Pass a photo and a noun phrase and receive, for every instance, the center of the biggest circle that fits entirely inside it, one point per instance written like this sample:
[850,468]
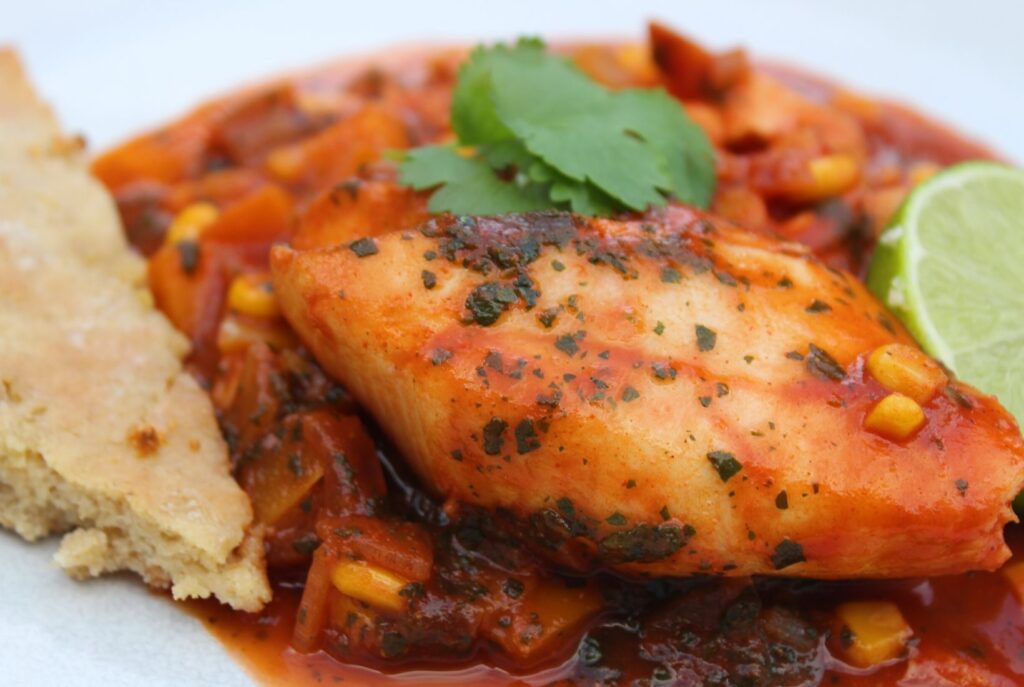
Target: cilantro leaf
[570,122]
[661,121]
[543,134]
[467,184]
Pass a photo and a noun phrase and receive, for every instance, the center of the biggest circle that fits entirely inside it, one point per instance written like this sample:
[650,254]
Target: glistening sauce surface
[969,630]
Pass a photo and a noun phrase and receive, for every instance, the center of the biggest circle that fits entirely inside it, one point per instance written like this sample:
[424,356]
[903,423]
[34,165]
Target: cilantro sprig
[535,132]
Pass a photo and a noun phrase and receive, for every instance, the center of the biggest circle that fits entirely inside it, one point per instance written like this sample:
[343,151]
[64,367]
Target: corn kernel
[1014,574]
[190,222]
[833,175]
[370,583]
[878,631]
[896,417]
[906,370]
[253,294]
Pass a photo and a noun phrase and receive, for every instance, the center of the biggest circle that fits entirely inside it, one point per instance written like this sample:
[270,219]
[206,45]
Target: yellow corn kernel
[896,417]
[878,632]
[833,175]
[904,369]
[253,294]
[370,583]
[190,222]
[1014,574]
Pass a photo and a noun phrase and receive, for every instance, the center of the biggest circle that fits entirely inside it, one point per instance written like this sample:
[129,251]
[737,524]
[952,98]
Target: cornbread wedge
[103,435]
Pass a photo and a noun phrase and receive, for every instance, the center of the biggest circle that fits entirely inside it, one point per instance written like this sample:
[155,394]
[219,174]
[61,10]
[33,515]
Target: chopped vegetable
[370,583]
[190,222]
[877,632]
[253,294]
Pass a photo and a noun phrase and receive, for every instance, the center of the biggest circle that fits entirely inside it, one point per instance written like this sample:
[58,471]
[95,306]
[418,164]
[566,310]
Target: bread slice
[103,435]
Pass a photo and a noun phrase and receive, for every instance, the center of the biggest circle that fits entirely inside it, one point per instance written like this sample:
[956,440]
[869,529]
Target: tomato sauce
[969,630]
[206,197]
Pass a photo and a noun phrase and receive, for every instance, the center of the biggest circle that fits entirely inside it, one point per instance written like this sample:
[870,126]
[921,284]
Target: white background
[113,67]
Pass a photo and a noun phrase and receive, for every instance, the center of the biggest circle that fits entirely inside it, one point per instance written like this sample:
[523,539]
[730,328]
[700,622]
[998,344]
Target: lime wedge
[951,266]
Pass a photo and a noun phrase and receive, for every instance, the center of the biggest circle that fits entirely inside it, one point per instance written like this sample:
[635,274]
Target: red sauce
[969,630]
[267,158]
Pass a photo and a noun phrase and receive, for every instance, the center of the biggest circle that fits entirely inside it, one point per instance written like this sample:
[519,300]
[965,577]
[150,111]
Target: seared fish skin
[666,396]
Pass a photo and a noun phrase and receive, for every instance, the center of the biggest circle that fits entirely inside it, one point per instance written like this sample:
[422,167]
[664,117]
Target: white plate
[112,67]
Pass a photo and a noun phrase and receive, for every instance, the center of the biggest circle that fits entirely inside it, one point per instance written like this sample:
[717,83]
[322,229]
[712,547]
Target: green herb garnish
[725,464]
[533,132]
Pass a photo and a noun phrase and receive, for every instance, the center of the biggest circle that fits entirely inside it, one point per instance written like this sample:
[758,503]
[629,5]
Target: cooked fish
[103,435]
[669,395]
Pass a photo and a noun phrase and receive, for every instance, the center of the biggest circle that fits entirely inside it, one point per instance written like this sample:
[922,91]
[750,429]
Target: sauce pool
[968,630]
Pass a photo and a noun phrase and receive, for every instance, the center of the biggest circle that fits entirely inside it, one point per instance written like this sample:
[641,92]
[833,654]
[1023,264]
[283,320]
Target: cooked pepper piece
[877,632]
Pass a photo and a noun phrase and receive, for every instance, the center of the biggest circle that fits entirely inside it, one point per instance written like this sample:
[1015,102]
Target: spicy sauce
[292,155]
[968,630]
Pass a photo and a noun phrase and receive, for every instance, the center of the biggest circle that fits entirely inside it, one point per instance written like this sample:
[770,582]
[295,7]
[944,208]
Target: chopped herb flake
[663,371]
[567,344]
[818,306]
[617,519]
[429,279]
[725,463]
[188,255]
[643,543]
[364,247]
[494,438]
[487,301]
[670,275]
[440,355]
[824,366]
[547,317]
[706,338]
[526,437]
[787,553]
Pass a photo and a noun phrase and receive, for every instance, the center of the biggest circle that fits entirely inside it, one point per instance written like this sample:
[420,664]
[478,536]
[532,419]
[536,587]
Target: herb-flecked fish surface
[669,395]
